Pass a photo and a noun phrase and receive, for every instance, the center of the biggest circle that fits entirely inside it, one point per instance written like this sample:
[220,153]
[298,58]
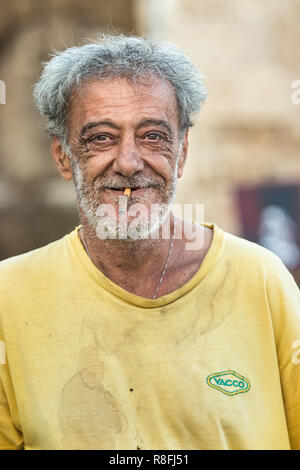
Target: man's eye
[101,138]
[100,141]
[154,136]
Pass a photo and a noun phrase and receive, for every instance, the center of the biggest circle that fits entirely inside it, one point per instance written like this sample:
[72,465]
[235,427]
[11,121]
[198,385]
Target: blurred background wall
[244,147]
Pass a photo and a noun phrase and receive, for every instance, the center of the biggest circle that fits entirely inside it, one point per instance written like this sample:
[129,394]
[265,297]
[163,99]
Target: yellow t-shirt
[212,365]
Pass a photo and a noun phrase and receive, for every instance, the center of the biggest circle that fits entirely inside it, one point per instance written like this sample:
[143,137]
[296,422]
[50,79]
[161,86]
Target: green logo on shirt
[228,382]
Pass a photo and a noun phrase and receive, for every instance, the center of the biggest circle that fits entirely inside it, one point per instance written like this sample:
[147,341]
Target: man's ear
[183,154]
[61,160]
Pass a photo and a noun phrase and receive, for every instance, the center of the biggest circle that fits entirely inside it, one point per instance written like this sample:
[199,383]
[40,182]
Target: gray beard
[88,205]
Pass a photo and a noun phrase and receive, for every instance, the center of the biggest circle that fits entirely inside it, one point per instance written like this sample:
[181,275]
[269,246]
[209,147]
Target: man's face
[125,136]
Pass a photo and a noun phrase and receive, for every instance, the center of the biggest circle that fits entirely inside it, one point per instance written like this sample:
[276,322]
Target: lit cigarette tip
[127,192]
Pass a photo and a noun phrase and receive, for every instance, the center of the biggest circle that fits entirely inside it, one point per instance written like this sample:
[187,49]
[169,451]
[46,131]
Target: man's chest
[154,382]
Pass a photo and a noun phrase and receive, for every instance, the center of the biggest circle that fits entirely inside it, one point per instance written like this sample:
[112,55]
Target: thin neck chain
[165,266]
[85,247]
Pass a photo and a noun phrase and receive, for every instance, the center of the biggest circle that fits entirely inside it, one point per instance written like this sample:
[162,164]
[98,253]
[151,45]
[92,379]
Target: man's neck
[137,265]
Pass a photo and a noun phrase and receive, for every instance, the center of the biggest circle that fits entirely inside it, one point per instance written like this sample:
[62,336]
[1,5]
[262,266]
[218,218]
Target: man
[116,336]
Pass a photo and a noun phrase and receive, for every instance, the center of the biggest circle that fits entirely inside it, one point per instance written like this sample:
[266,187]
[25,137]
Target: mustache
[116,182]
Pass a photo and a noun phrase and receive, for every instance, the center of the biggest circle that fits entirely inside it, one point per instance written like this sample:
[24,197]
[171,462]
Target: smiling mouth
[133,189]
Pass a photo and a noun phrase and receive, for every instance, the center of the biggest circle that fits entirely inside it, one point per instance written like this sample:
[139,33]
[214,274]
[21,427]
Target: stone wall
[36,205]
[246,135]
[248,131]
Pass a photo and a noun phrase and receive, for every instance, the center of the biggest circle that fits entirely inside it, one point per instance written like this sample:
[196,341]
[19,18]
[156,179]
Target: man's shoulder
[252,256]
[27,264]
[247,247]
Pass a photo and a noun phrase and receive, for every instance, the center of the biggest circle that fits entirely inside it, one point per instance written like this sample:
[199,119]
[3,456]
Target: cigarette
[127,192]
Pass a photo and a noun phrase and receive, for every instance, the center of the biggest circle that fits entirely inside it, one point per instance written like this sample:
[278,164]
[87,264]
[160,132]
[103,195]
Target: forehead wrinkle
[134,119]
[124,91]
[96,107]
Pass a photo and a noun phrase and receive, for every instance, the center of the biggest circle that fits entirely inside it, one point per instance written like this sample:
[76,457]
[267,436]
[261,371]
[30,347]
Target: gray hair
[116,57]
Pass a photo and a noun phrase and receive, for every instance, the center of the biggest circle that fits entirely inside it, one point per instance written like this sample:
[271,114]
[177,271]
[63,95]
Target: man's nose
[128,160]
